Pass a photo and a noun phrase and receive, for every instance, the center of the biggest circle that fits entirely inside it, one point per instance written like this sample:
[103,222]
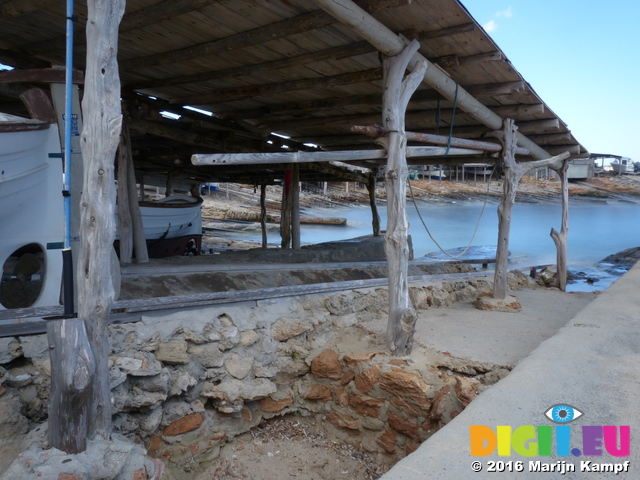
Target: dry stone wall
[185,383]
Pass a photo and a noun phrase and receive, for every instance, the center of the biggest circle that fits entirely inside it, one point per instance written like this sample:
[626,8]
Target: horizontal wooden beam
[284,28]
[319,156]
[11,10]
[39,75]
[230,94]
[421,117]
[376,131]
[552,138]
[455,61]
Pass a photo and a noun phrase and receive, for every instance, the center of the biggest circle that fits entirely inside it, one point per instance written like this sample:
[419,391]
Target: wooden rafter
[284,28]
[230,94]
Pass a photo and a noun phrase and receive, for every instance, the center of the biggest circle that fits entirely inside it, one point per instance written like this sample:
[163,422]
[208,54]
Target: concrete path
[592,364]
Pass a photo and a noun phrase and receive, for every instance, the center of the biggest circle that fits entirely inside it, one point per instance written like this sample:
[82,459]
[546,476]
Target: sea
[596,230]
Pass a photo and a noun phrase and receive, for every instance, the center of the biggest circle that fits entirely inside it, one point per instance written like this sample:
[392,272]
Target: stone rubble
[185,383]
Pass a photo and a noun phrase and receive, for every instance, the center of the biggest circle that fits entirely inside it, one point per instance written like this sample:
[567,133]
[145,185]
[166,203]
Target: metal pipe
[67,257]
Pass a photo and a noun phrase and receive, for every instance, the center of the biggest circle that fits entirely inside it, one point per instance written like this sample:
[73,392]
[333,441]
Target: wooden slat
[230,94]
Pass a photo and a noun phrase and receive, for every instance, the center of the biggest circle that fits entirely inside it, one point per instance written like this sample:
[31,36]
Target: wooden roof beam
[426,117]
[284,28]
[231,94]
[454,61]
[317,105]
[335,53]
[39,75]
[391,44]
[158,12]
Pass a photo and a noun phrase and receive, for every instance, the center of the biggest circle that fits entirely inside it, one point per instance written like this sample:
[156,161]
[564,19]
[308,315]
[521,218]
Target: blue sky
[582,57]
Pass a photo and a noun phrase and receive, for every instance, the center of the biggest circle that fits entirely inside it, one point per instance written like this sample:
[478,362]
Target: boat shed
[229,76]
[261,91]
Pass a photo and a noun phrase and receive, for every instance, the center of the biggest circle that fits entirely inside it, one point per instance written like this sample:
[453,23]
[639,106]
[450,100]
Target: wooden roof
[273,66]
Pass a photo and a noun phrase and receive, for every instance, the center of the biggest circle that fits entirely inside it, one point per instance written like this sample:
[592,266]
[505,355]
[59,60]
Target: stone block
[466,389]
[238,367]
[269,405]
[367,379]
[387,440]
[342,421]
[365,405]
[183,425]
[173,352]
[285,328]
[407,427]
[327,365]
[318,392]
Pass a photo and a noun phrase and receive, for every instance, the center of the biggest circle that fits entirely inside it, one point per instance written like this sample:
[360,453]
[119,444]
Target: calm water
[595,230]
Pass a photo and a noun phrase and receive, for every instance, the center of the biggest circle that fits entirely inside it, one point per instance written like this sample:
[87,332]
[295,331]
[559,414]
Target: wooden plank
[39,105]
[230,94]
[39,75]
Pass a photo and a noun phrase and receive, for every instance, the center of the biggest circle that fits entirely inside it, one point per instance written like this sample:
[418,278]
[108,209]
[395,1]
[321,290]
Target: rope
[475,231]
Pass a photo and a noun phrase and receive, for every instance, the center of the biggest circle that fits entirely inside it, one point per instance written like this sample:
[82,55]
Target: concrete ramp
[592,364]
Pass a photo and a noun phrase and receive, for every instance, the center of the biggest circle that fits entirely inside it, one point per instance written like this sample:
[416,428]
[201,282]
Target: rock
[232,389]
[12,423]
[156,384]
[342,421]
[183,425]
[173,352]
[34,346]
[194,337]
[137,364]
[9,349]
[318,392]
[285,328]
[229,338]
[387,440]
[176,409]
[248,338]
[341,397]
[466,389]
[407,427]
[445,406]
[352,360]
[414,408]
[150,421]
[269,405]
[327,365]
[371,423]
[365,405]
[408,389]
[367,379]
[347,377]
[208,355]
[181,381]
[238,367]
[509,304]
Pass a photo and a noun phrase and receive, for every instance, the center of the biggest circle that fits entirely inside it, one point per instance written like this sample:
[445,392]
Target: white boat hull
[31,218]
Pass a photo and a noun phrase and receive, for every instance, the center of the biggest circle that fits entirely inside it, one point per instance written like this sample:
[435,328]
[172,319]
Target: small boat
[623,165]
[172,225]
[31,213]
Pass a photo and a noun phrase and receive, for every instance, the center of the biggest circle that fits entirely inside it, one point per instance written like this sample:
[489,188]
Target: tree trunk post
[285,212]
[263,214]
[375,216]
[397,92]
[125,228]
[295,207]
[72,372]
[510,186]
[139,241]
[560,238]
[99,140]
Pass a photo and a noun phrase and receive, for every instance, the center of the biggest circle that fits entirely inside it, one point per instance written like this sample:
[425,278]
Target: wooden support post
[295,207]
[139,241]
[510,186]
[99,140]
[72,371]
[513,172]
[396,96]
[560,238]
[285,212]
[375,216]
[125,228]
[168,185]
[263,214]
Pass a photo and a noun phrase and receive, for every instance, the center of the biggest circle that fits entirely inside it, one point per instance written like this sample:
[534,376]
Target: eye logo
[563,413]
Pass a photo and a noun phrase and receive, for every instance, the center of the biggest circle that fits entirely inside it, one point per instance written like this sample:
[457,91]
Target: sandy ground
[298,448]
